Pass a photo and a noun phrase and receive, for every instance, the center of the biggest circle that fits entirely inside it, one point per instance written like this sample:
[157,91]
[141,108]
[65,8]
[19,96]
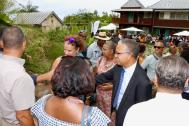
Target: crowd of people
[108,83]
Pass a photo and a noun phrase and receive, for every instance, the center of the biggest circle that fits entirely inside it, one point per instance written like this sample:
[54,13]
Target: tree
[95,13]
[5,7]
[83,18]
[28,8]
[106,18]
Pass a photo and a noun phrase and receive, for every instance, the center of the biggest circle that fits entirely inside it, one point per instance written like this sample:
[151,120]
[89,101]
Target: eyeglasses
[117,53]
[159,47]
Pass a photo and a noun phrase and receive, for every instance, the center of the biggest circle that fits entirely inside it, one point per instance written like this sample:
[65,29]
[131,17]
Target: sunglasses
[159,47]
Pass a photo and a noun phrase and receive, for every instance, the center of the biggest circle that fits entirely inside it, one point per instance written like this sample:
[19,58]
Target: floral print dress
[104,91]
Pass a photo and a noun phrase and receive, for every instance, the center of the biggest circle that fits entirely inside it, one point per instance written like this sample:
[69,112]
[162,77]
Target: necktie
[118,90]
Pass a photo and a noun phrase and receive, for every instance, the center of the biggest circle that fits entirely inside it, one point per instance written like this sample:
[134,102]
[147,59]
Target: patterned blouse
[98,118]
[103,65]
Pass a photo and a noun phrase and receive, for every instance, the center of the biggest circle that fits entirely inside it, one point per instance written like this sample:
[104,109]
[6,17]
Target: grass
[41,50]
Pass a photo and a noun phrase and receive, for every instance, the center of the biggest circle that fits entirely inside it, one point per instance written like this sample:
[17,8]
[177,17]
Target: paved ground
[42,89]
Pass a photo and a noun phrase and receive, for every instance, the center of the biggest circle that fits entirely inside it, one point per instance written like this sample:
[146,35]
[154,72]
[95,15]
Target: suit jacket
[139,89]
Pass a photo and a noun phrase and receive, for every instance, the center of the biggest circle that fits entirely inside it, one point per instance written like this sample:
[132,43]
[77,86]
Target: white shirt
[94,53]
[126,78]
[149,64]
[164,110]
[17,91]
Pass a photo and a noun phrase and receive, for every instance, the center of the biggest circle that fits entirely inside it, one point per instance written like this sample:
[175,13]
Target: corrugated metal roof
[173,10]
[121,10]
[132,3]
[171,4]
[34,17]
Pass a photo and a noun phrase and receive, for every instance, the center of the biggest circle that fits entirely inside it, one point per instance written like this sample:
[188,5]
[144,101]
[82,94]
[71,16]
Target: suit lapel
[117,80]
[129,90]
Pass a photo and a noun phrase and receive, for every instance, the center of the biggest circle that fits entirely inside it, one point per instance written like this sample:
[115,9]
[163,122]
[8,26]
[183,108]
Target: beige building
[46,20]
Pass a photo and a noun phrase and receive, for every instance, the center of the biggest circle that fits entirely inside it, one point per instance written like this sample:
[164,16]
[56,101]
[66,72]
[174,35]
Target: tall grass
[42,48]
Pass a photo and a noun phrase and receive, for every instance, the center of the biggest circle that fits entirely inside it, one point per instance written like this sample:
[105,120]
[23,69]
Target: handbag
[86,114]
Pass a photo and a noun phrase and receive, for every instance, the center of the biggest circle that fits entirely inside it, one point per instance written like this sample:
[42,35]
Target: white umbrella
[182,33]
[132,29]
[110,26]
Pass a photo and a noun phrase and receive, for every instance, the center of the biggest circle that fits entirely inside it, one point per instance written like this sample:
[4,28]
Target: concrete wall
[51,23]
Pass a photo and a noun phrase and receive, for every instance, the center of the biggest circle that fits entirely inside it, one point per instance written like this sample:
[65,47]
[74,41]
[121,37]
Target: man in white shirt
[94,51]
[17,91]
[150,61]
[168,108]
[1,42]
[130,82]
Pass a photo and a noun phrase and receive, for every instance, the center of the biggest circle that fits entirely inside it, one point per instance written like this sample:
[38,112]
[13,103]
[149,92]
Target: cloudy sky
[66,7]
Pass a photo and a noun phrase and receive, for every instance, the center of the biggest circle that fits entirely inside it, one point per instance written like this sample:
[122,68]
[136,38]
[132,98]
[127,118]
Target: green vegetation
[83,19]
[28,8]
[5,11]
[42,49]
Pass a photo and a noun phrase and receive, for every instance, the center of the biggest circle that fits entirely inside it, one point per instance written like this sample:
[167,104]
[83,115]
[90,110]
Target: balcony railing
[172,23]
[149,22]
[145,21]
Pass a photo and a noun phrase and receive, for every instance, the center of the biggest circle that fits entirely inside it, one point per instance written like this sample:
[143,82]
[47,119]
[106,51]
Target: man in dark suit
[130,82]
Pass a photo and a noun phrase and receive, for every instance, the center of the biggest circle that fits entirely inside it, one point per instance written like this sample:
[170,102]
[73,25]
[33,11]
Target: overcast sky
[67,7]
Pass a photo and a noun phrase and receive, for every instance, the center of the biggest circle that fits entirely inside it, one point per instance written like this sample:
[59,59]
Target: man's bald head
[13,38]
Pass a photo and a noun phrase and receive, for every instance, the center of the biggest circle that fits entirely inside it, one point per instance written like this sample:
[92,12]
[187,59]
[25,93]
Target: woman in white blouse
[72,78]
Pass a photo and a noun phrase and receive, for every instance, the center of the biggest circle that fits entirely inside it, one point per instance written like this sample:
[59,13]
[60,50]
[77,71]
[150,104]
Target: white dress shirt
[164,110]
[126,79]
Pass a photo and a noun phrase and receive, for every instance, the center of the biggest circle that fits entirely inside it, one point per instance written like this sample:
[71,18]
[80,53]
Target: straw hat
[102,36]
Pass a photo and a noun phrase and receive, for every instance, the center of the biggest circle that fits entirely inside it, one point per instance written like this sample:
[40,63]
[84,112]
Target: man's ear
[155,81]
[186,82]
[1,44]
[24,45]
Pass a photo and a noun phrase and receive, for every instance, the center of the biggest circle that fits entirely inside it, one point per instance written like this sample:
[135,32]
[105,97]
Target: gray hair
[13,37]
[172,72]
[132,45]
[111,45]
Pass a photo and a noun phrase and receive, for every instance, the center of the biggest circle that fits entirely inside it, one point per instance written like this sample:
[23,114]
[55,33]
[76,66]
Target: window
[185,16]
[52,19]
[173,15]
[180,15]
[147,14]
[167,15]
[161,15]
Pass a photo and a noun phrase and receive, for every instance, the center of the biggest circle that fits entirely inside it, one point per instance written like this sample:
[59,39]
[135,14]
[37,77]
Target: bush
[57,35]
[42,48]
[54,50]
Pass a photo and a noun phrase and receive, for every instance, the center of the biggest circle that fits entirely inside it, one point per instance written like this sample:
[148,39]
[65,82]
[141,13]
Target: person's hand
[105,87]
[34,78]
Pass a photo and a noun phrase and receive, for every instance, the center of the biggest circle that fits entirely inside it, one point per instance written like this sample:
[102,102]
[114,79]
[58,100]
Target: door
[130,17]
